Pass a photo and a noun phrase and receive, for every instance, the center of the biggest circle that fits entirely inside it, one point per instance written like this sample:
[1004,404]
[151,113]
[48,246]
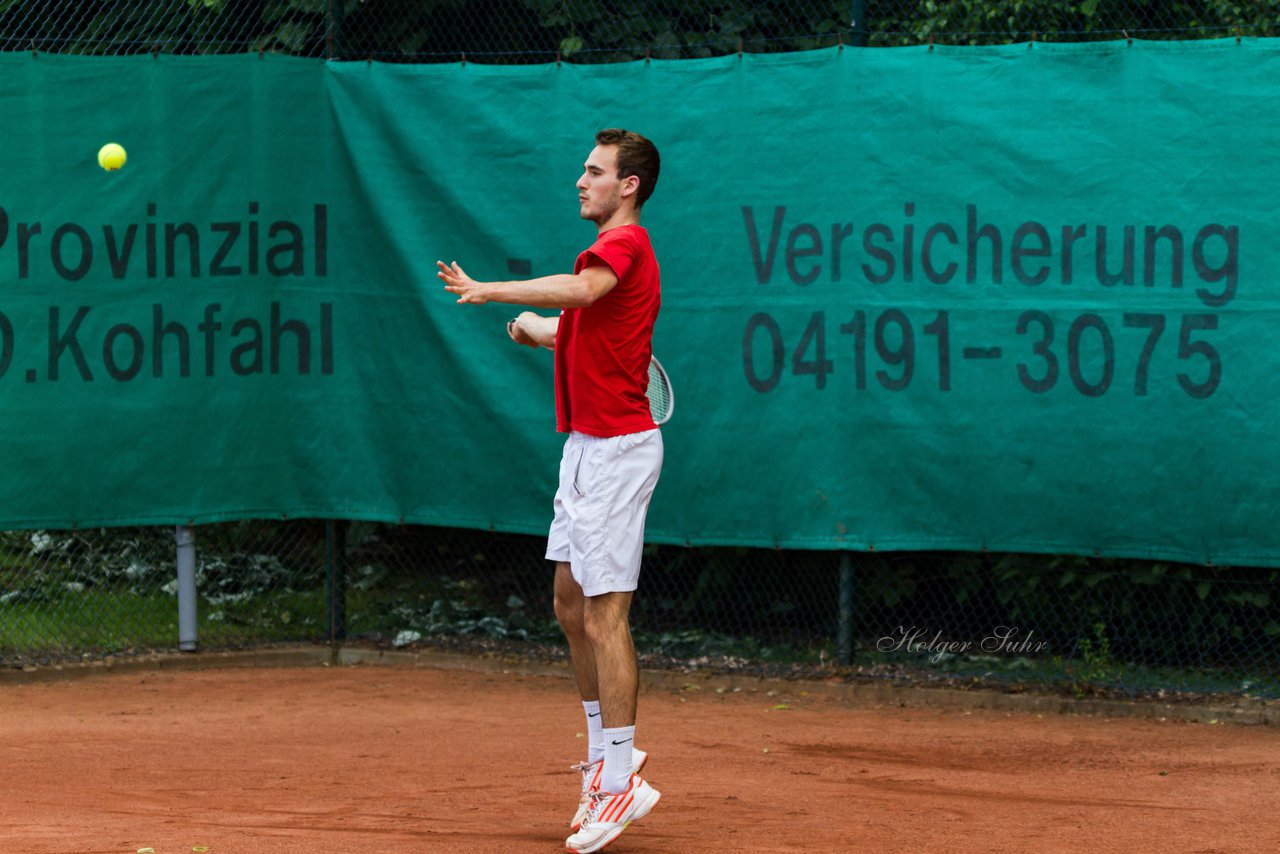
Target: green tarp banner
[1018,298]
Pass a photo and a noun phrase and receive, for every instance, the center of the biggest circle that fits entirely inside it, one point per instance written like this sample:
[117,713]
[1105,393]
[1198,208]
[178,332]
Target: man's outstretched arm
[566,290]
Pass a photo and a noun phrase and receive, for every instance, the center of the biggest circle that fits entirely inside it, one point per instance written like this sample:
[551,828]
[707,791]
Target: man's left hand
[456,281]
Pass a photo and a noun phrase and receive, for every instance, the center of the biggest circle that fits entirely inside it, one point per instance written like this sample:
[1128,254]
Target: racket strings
[659,393]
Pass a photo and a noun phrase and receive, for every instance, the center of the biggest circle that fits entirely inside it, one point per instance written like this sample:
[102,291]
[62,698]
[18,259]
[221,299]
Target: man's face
[599,190]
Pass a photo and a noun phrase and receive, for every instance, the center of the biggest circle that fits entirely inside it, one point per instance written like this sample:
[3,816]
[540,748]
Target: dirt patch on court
[379,759]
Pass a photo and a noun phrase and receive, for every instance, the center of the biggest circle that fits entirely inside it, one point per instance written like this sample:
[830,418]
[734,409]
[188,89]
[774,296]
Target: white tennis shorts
[604,492]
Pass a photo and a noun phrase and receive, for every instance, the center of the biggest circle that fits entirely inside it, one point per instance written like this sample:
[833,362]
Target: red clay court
[388,760]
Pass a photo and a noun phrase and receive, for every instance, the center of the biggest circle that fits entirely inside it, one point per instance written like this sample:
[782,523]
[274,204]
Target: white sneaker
[591,781]
[610,813]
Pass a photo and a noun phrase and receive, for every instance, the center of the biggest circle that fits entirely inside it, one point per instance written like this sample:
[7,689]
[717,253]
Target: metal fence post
[335,550]
[333,27]
[186,540]
[844,633]
[858,23]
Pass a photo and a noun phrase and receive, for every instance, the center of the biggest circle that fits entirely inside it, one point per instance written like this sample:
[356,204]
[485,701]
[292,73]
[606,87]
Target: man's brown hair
[636,156]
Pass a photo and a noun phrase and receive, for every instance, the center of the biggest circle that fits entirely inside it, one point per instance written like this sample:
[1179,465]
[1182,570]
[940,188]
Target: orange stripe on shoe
[617,808]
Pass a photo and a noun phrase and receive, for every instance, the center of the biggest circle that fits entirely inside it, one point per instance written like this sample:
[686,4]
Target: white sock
[595,730]
[618,744]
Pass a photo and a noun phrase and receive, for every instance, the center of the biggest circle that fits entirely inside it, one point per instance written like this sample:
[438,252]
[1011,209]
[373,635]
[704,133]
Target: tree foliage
[517,31]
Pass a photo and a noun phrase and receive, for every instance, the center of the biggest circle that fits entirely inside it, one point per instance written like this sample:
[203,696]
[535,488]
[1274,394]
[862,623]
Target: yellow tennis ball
[111,156]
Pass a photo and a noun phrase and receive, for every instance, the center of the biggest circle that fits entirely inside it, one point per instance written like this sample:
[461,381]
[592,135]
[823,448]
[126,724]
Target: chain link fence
[516,31]
[1084,625]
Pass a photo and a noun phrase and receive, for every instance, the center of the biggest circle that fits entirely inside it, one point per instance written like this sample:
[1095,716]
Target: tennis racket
[661,400]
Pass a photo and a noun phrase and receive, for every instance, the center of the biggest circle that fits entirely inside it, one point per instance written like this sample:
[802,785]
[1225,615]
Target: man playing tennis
[612,458]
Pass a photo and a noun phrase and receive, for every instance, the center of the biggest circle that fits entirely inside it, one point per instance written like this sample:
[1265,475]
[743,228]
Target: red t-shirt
[602,351]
